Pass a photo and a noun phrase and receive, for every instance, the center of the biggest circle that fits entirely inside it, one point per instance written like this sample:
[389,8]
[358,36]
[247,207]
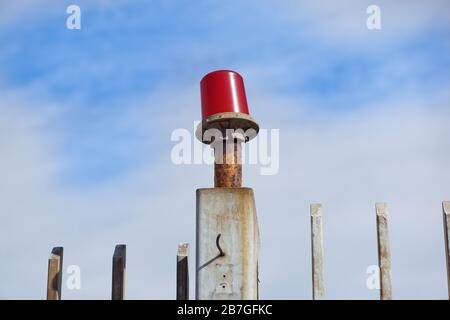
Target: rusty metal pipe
[228,164]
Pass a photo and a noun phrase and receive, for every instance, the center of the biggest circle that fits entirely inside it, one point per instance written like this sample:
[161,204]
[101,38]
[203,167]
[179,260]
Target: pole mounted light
[227,243]
[226,123]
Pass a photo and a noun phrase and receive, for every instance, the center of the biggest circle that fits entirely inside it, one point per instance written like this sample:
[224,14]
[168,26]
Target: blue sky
[125,51]
[86,117]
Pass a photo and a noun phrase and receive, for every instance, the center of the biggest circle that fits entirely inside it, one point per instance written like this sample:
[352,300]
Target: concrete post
[317,252]
[227,244]
[55,270]
[118,272]
[446,216]
[384,251]
[183,272]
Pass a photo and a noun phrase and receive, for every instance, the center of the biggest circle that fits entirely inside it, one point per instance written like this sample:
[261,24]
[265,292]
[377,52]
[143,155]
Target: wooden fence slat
[118,272]
[183,272]
[384,251]
[54,276]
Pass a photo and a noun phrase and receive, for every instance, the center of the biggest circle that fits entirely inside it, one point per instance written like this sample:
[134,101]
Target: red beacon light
[224,105]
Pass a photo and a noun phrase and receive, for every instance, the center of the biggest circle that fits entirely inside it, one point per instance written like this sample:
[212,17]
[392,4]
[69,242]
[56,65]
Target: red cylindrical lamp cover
[223,91]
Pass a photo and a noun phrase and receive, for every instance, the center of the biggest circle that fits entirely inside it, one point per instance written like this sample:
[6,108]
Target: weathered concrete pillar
[227,244]
[384,251]
[183,272]
[318,282]
[446,216]
[118,272]
[55,271]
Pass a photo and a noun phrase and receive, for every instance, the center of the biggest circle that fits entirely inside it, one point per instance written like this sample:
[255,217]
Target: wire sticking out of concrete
[221,253]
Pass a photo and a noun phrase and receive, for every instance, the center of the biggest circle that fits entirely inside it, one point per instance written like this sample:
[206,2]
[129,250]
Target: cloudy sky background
[86,118]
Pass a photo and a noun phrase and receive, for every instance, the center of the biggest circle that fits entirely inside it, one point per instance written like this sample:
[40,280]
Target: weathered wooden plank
[384,251]
[317,259]
[54,276]
[118,272]
[446,216]
[183,272]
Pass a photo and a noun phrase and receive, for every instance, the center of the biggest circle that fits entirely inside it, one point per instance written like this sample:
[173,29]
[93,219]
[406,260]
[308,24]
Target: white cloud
[344,22]
[28,12]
